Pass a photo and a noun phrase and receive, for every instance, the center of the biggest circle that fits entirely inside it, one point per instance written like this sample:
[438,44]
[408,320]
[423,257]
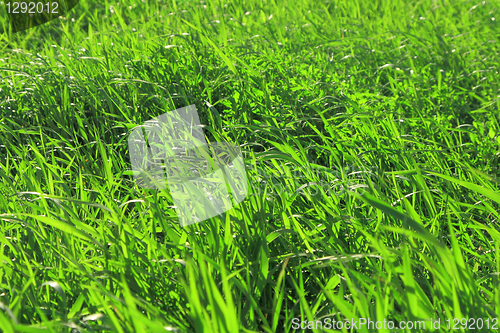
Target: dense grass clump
[371,137]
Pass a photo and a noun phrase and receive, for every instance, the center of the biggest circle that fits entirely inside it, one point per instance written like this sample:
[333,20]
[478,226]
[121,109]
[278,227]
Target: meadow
[371,137]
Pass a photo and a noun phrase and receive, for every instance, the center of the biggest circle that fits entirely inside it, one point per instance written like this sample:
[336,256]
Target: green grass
[371,135]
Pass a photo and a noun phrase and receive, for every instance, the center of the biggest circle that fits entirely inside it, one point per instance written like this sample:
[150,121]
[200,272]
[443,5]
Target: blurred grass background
[371,135]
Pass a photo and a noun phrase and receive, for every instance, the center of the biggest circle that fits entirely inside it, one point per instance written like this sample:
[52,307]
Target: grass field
[371,137]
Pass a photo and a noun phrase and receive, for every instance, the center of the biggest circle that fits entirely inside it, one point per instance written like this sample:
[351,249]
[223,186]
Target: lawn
[370,132]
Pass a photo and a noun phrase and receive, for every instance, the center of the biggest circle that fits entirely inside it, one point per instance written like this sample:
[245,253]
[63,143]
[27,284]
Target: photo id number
[32,7]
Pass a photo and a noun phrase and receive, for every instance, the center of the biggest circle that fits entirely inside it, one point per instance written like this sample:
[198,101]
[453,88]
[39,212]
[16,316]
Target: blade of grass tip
[31,329]
[136,317]
[215,299]
[275,234]
[457,312]
[486,176]
[5,323]
[279,292]
[255,306]
[199,314]
[106,162]
[497,287]
[302,298]
[57,287]
[221,54]
[407,221]
[414,215]
[9,313]
[474,187]
[77,305]
[409,282]
[228,238]
[457,252]
[63,226]
[231,315]
[264,264]
[215,115]
[96,297]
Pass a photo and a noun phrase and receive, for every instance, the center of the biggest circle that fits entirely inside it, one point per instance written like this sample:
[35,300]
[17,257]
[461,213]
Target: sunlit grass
[371,136]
